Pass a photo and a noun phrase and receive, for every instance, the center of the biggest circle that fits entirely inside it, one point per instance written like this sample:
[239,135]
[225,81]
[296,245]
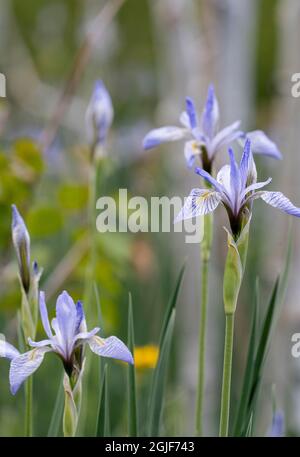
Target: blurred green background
[150,56]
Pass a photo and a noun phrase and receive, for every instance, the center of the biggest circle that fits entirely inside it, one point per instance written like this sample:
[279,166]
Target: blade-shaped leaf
[172,303]
[159,378]
[270,320]
[57,414]
[248,376]
[103,423]
[132,398]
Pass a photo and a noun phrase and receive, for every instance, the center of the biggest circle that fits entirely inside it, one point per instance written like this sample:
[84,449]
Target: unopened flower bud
[21,241]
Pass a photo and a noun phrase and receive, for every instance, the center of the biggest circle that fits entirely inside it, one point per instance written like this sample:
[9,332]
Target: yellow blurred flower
[146,356]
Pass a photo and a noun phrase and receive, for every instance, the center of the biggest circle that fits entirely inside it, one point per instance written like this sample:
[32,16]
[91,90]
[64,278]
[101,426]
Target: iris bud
[21,241]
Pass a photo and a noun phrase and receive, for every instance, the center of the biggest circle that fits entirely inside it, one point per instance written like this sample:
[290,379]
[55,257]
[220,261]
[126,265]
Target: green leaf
[248,376]
[57,414]
[263,346]
[172,303]
[103,422]
[157,387]
[159,378]
[132,398]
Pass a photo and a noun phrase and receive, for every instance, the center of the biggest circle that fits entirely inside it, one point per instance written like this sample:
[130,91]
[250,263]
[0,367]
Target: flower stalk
[233,276]
[29,277]
[205,258]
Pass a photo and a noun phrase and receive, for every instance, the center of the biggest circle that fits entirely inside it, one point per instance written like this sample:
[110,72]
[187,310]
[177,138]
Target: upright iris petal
[210,116]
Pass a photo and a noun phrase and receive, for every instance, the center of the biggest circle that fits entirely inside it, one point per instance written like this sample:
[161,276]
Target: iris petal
[191,150]
[210,116]
[25,365]
[7,350]
[110,347]
[209,179]
[164,135]
[44,315]
[261,144]
[191,112]
[280,201]
[226,136]
[198,203]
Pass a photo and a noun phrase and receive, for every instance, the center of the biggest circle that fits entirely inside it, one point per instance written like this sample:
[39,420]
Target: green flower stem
[92,233]
[205,256]
[28,408]
[227,367]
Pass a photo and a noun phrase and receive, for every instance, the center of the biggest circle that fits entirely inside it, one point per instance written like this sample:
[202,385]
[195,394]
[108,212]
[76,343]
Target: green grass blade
[103,423]
[277,298]
[98,303]
[159,379]
[132,398]
[172,303]
[248,376]
[57,414]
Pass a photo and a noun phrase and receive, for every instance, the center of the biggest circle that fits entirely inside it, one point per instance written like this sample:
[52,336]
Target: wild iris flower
[236,187]
[99,114]
[66,340]
[203,138]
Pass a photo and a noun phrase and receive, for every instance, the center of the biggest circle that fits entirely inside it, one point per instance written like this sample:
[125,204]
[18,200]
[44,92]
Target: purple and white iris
[66,338]
[99,114]
[203,137]
[235,187]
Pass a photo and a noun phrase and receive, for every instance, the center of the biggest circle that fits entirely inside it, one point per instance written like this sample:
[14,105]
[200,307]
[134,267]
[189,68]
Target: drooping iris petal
[191,112]
[226,136]
[163,135]
[198,203]
[280,201]
[210,116]
[25,365]
[110,347]
[261,144]
[44,315]
[191,150]
[7,350]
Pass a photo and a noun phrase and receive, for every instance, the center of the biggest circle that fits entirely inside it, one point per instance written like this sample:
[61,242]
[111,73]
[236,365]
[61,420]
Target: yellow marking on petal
[33,354]
[203,196]
[146,357]
[99,340]
[196,147]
